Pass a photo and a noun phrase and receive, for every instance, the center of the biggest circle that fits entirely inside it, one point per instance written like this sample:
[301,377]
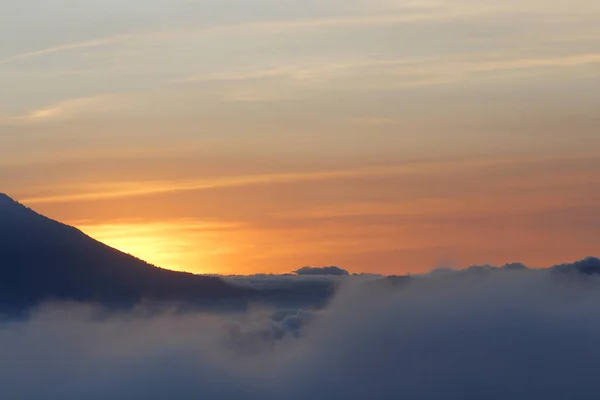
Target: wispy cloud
[113,190]
[129,189]
[443,207]
[574,60]
[398,73]
[60,48]
[393,73]
[483,66]
[264,27]
[69,109]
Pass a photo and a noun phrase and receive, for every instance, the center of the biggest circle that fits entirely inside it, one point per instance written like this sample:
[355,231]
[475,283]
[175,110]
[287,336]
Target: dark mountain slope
[42,259]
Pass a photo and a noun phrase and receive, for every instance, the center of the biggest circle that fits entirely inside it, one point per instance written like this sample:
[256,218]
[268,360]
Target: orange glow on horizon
[389,220]
[180,246]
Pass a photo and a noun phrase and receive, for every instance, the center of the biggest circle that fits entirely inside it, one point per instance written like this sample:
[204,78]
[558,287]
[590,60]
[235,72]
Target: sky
[238,137]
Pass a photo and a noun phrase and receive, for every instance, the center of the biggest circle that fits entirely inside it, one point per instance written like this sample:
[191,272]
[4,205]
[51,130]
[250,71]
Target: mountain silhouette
[42,259]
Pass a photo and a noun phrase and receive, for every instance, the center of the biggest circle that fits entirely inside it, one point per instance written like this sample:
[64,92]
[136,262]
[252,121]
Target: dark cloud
[506,333]
[588,266]
[336,271]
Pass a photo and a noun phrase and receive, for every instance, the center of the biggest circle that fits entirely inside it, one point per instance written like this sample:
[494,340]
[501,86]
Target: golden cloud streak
[113,190]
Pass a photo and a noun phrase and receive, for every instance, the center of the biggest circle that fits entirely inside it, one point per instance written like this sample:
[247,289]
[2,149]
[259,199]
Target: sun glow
[181,245]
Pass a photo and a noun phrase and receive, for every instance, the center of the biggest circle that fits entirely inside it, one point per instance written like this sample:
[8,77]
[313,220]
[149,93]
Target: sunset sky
[238,136]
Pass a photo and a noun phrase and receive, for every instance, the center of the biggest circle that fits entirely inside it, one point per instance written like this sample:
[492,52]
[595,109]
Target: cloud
[70,108]
[267,83]
[88,44]
[293,81]
[114,190]
[520,334]
[96,105]
[131,189]
[322,271]
[399,73]
[404,14]
[370,14]
[588,266]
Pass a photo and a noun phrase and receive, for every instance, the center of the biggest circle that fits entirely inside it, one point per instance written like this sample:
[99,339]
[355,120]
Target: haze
[239,137]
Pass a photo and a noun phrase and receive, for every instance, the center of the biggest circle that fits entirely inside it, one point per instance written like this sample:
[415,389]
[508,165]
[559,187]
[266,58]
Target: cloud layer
[505,333]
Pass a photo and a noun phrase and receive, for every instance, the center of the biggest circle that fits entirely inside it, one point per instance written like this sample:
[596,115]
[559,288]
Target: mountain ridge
[42,259]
